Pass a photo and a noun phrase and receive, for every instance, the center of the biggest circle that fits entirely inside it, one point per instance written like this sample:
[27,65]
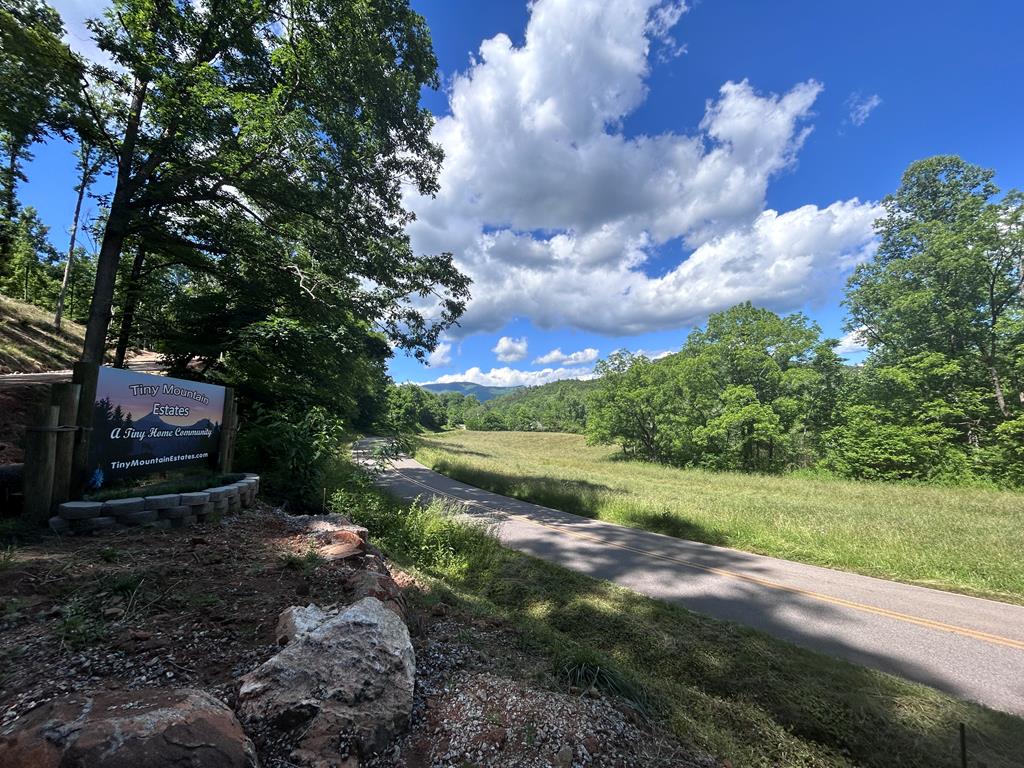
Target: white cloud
[441,356]
[557,357]
[512,377]
[555,213]
[852,343]
[509,350]
[861,107]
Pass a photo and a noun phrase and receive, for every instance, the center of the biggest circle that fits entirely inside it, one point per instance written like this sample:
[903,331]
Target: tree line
[940,396]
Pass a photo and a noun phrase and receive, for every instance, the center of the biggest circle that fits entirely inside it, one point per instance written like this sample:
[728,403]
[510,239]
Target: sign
[144,424]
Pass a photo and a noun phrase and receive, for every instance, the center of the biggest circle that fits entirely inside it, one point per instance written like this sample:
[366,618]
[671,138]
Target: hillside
[479,391]
[29,343]
[560,406]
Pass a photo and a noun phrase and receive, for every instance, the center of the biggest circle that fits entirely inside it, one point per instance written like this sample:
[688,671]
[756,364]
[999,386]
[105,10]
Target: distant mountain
[481,392]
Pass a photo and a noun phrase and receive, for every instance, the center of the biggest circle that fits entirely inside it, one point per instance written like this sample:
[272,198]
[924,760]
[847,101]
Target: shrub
[297,456]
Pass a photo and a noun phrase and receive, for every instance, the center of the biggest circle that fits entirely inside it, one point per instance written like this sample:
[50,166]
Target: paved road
[966,646]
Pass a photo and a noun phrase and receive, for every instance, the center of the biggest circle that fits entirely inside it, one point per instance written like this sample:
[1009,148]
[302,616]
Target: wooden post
[65,396]
[226,432]
[40,449]
[235,434]
[85,375]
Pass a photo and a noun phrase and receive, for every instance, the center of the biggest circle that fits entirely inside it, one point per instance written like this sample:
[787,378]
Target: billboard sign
[143,424]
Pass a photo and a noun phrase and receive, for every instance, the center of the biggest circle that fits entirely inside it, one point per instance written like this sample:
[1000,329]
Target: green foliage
[430,534]
[560,406]
[745,393]
[941,306]
[296,454]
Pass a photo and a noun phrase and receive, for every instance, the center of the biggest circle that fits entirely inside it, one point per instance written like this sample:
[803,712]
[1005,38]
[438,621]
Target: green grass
[960,539]
[733,692]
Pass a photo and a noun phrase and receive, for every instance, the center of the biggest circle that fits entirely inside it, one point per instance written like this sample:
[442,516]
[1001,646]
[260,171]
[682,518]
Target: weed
[6,557]
[306,562]
[110,554]
[79,626]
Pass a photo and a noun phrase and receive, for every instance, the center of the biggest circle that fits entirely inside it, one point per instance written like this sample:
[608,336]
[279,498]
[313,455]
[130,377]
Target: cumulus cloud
[557,357]
[513,377]
[509,350]
[852,343]
[441,356]
[861,107]
[557,215]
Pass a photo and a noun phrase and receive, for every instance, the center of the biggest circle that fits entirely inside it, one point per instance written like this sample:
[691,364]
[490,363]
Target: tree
[948,276]
[38,79]
[300,117]
[89,163]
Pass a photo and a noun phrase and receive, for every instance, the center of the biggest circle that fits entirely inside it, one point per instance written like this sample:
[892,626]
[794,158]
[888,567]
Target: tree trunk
[113,236]
[131,301]
[106,276]
[74,234]
[1000,400]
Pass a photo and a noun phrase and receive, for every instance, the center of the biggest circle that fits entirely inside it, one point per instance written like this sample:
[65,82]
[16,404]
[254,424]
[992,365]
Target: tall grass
[734,692]
[961,539]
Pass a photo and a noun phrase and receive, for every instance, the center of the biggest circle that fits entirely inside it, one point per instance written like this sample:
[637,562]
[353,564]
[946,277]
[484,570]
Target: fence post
[40,449]
[65,396]
[227,434]
[85,375]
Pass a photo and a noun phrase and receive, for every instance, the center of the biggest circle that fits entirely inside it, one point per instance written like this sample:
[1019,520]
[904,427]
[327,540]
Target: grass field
[966,540]
[731,691]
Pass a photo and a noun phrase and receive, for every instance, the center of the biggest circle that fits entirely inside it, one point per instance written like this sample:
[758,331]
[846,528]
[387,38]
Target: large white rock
[347,682]
[296,621]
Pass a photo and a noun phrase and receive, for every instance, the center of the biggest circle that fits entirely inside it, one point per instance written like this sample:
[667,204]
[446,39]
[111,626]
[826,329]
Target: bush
[299,457]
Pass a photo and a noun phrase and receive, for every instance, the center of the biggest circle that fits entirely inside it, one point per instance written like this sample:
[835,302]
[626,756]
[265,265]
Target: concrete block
[118,507]
[80,510]
[175,513]
[90,524]
[163,501]
[158,524]
[183,522]
[139,518]
[193,499]
[216,494]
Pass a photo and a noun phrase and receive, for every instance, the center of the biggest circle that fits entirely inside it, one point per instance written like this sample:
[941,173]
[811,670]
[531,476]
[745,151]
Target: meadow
[967,540]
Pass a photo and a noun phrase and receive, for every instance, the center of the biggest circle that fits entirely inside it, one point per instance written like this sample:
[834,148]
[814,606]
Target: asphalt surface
[969,647]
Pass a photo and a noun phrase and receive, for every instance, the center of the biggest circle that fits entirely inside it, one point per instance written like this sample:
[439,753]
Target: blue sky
[615,171]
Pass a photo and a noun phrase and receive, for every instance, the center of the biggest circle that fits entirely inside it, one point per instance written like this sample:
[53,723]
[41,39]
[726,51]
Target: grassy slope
[29,343]
[965,540]
[732,691]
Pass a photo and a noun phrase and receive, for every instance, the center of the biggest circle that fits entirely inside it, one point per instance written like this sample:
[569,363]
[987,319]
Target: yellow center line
[907,618]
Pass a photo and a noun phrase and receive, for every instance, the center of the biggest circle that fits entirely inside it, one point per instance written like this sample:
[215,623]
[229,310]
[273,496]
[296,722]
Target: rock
[379,585]
[563,757]
[297,621]
[350,678]
[129,729]
[339,551]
